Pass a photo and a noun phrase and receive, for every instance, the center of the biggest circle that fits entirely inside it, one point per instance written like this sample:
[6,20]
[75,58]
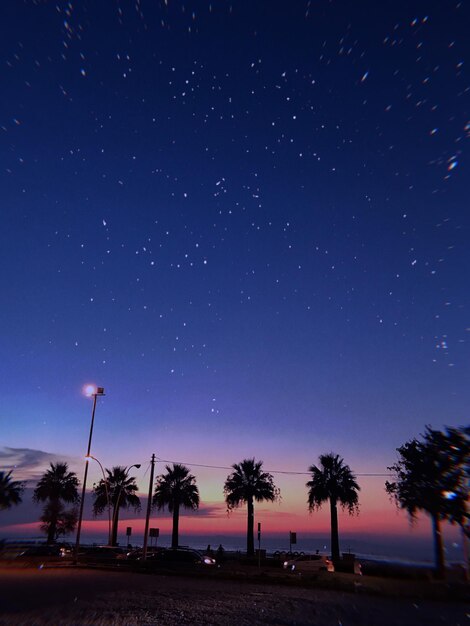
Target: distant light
[449,495]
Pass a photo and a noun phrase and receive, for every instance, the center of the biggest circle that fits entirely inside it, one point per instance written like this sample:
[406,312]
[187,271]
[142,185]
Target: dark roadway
[67,596]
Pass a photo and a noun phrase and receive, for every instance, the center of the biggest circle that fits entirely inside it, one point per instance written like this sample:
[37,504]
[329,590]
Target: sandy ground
[70,596]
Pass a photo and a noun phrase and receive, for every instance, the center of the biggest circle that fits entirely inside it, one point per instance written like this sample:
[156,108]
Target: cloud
[28,464]
[205,510]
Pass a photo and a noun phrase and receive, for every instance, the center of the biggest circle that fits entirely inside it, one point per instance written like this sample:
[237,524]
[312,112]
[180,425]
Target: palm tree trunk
[176,519]
[51,532]
[114,531]
[250,544]
[438,546]
[53,509]
[334,531]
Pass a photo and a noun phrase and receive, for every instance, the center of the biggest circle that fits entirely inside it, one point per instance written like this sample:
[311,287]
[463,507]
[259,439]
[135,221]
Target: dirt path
[82,597]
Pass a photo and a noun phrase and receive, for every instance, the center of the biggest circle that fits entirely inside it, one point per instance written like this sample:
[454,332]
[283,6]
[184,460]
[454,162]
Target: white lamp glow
[89,390]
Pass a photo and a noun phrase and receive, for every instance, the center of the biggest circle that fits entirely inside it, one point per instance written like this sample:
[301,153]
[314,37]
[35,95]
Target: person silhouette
[219,557]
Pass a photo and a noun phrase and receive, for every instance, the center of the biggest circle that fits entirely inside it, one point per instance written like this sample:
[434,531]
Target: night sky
[248,221]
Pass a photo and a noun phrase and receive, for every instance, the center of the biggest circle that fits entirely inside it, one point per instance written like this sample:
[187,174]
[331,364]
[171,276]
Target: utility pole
[149,506]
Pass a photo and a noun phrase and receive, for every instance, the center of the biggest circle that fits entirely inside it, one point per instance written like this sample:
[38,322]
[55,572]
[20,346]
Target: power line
[226,467]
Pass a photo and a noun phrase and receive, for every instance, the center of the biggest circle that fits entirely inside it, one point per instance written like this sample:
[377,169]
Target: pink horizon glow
[236,525]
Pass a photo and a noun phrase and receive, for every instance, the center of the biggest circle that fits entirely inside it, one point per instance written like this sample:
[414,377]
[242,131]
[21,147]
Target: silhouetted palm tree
[175,489]
[10,491]
[64,520]
[122,495]
[333,481]
[56,486]
[246,484]
[432,476]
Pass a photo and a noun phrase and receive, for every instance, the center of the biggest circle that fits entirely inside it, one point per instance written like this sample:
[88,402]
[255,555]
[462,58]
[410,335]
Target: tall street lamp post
[118,498]
[92,392]
[106,488]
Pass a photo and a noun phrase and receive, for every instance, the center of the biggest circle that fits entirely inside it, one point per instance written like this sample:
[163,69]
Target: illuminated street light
[105,482]
[93,392]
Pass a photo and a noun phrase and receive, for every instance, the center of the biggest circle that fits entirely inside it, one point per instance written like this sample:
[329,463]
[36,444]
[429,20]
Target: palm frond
[175,488]
[332,480]
[249,482]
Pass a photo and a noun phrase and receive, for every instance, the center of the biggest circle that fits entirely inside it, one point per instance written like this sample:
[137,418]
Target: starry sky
[248,221]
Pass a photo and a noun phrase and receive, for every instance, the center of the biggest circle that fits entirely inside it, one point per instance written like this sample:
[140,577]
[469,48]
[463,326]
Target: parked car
[310,563]
[29,551]
[93,554]
[137,554]
[42,550]
[182,557]
[66,550]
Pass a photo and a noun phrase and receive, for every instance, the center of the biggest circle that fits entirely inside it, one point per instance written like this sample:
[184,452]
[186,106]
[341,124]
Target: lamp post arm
[118,498]
[106,487]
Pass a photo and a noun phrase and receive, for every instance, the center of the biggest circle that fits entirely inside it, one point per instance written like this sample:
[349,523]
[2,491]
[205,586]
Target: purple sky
[247,221]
